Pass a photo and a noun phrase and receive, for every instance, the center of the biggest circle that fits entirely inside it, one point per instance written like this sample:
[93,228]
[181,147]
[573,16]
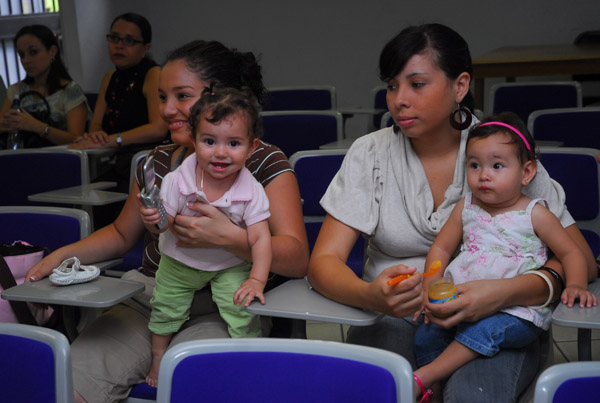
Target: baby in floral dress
[504,234]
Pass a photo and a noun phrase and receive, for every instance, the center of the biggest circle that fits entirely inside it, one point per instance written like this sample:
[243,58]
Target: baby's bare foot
[152,377]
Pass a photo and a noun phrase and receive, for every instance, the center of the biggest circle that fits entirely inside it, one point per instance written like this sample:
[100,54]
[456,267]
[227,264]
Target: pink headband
[511,128]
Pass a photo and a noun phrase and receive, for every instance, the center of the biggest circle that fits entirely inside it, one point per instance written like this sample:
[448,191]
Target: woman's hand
[212,229]
[43,268]
[98,139]
[475,301]
[400,300]
[21,120]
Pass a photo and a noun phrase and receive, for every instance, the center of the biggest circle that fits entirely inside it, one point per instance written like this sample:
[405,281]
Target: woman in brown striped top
[113,353]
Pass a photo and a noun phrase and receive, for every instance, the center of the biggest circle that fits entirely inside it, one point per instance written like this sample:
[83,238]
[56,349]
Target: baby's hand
[149,216]
[586,298]
[418,313]
[250,288]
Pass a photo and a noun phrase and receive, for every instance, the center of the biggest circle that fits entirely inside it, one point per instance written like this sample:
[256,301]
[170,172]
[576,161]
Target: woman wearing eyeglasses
[126,114]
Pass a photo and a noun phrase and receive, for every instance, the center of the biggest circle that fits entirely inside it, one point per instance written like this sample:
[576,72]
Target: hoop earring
[461,124]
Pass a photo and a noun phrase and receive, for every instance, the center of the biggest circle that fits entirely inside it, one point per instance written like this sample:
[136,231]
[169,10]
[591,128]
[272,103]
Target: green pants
[176,284]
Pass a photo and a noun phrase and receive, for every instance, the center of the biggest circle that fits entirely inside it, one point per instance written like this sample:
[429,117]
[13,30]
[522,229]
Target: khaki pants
[114,352]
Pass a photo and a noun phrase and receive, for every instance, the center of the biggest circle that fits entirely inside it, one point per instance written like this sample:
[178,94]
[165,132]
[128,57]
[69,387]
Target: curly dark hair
[216,104]
[220,66]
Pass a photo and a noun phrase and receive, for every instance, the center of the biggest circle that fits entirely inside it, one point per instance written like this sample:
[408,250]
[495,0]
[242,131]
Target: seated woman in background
[53,108]
[126,114]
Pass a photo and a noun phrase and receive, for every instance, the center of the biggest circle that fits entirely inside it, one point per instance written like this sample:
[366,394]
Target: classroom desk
[102,292]
[296,299]
[536,60]
[96,157]
[85,195]
[584,319]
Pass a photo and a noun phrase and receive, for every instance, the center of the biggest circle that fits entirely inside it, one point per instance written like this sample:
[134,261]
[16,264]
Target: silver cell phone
[150,194]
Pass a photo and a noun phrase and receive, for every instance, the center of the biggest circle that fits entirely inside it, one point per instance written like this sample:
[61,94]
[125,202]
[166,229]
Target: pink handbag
[19,258]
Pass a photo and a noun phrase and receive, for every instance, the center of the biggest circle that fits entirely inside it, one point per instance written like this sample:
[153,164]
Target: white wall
[332,42]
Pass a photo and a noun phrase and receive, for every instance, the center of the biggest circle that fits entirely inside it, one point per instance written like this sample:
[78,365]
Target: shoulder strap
[20,308]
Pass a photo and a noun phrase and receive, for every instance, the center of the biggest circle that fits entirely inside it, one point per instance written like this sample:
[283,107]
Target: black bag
[27,139]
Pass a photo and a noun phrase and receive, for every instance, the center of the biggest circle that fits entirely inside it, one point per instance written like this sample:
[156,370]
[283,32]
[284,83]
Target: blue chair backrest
[580,182]
[300,99]
[568,382]
[28,172]
[574,127]
[292,370]
[577,390]
[525,98]
[297,131]
[51,227]
[314,172]
[379,102]
[32,351]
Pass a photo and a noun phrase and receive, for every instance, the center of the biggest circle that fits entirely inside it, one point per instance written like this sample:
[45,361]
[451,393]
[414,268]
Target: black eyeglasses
[127,41]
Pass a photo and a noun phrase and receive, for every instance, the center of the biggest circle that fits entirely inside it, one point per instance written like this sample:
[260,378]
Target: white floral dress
[503,246]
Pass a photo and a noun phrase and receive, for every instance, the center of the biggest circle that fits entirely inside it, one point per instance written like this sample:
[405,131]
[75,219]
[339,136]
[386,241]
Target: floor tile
[562,333]
[324,331]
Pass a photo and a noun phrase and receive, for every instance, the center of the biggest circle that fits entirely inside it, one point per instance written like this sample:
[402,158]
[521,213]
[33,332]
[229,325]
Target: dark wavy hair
[515,121]
[141,22]
[58,72]
[450,53]
[220,66]
[216,104]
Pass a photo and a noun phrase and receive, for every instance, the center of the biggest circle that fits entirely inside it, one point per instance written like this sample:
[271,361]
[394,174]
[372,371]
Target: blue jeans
[485,337]
[501,378]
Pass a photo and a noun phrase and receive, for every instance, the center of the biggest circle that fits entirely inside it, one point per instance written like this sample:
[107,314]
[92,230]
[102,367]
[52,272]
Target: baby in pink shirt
[226,127]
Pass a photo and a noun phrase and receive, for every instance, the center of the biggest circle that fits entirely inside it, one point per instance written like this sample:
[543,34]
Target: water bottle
[15,140]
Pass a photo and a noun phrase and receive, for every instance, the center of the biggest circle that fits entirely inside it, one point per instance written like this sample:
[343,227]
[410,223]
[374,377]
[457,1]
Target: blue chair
[523,98]
[581,185]
[378,101]
[35,365]
[294,131]
[573,127]
[37,170]
[314,171]
[282,370]
[52,227]
[569,382]
[302,98]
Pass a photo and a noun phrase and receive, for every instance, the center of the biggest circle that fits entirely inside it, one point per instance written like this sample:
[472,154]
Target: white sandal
[72,272]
